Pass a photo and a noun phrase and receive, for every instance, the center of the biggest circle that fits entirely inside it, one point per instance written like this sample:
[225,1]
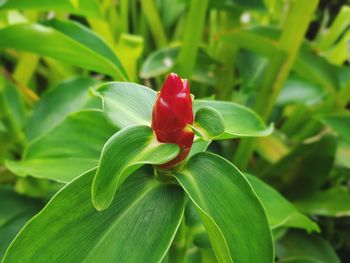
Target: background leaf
[332,202]
[71,148]
[298,244]
[145,218]
[304,170]
[340,123]
[78,45]
[280,212]
[54,106]
[122,154]
[231,213]
[15,211]
[85,7]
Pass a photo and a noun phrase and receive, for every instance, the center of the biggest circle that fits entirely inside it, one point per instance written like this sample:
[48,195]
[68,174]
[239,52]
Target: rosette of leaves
[125,210]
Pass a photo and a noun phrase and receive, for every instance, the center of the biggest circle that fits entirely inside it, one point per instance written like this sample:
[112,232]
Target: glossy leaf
[239,121]
[54,106]
[231,212]
[84,7]
[71,148]
[333,202]
[280,212]
[298,90]
[304,170]
[15,211]
[122,154]
[143,219]
[162,61]
[300,245]
[78,45]
[126,104]
[340,123]
[209,123]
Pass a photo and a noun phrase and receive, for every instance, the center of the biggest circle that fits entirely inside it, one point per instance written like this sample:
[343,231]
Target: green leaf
[304,170]
[162,61]
[298,244]
[231,212]
[54,106]
[78,45]
[334,202]
[135,102]
[298,90]
[138,227]
[15,211]
[14,102]
[126,104]
[239,121]
[315,68]
[340,123]
[122,154]
[71,148]
[280,212]
[209,123]
[88,8]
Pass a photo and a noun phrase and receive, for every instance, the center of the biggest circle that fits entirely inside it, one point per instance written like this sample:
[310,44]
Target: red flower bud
[171,114]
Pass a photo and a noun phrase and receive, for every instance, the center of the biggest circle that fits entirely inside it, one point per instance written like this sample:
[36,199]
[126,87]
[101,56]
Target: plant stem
[149,8]
[192,38]
[294,29]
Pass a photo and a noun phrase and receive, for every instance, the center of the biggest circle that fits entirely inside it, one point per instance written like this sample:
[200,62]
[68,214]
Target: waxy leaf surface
[77,45]
[122,154]
[70,149]
[138,227]
[231,212]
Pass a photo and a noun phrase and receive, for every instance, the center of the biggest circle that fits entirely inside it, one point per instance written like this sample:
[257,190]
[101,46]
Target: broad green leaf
[162,61]
[231,212]
[138,227]
[340,123]
[122,154]
[126,104]
[304,170]
[71,148]
[159,62]
[15,211]
[239,121]
[315,68]
[298,90]
[85,7]
[256,42]
[78,45]
[280,212]
[298,244]
[209,123]
[54,106]
[333,202]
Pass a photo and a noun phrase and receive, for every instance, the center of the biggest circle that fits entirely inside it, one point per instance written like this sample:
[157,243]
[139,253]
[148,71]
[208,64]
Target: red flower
[171,114]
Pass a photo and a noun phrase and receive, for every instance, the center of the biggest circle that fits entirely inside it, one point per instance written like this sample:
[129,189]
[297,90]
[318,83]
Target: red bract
[171,114]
